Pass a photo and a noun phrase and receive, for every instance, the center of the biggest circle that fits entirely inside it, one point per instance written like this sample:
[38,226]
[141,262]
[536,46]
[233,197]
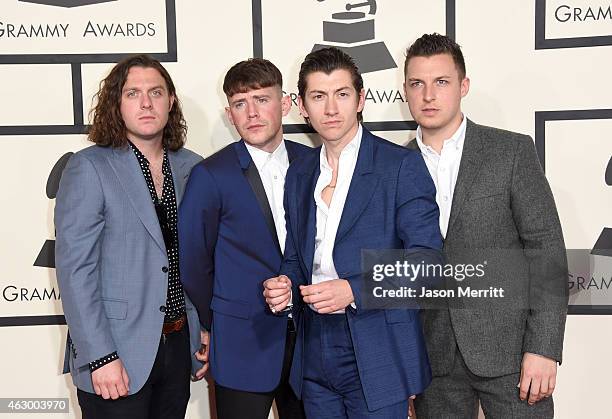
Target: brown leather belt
[174,326]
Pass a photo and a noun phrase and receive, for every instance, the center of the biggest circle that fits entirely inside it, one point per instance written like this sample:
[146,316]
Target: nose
[251,110]
[145,102]
[429,94]
[331,106]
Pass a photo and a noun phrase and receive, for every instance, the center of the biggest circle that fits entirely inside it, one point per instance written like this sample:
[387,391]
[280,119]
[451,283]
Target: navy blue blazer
[228,247]
[390,205]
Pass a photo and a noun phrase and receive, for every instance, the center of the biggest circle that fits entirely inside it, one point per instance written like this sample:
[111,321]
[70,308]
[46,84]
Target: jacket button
[164,269]
[162,309]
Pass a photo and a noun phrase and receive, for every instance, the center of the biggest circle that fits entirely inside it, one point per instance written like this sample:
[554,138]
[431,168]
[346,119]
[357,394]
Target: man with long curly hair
[133,334]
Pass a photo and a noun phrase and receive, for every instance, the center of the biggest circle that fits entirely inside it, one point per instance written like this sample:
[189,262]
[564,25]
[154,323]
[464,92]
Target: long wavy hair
[107,125]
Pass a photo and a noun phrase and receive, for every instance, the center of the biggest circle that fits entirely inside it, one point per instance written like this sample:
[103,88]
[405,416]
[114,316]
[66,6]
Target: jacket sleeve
[79,223]
[198,226]
[535,216]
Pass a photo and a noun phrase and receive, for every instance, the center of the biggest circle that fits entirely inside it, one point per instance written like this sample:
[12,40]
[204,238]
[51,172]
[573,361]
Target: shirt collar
[455,140]
[351,148]
[261,157]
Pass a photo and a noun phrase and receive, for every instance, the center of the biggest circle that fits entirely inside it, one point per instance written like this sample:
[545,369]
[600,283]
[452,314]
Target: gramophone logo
[66,3]
[603,246]
[46,256]
[354,33]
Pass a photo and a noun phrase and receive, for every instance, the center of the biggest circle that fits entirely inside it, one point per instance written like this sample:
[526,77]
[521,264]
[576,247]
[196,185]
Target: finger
[205,338]
[277,300]
[534,392]
[277,293]
[104,392]
[200,356]
[317,298]
[201,372]
[285,279]
[273,285]
[97,389]
[543,388]
[121,389]
[328,309]
[524,385]
[114,394]
[552,383]
[310,290]
[126,379]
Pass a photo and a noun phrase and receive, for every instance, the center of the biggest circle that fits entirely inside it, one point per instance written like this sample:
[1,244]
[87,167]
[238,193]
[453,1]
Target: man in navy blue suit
[232,232]
[357,192]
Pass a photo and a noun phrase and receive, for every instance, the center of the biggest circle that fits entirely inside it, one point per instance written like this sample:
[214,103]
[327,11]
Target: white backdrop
[538,67]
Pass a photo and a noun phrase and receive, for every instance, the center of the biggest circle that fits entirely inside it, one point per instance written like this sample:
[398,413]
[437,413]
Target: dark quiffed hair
[108,128]
[327,60]
[251,74]
[434,44]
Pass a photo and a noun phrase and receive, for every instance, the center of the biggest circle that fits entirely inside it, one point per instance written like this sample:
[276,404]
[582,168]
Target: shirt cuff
[99,363]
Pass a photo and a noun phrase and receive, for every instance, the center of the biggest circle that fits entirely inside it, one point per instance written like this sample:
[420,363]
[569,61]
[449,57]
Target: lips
[332,123]
[429,111]
[255,127]
[146,118]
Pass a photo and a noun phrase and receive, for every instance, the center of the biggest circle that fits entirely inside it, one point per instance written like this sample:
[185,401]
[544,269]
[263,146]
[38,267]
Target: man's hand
[111,381]
[328,296]
[538,377]
[202,355]
[411,406]
[277,292]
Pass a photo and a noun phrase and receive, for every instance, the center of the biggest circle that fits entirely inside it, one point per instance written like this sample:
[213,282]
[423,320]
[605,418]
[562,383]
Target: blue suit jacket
[390,205]
[110,257]
[228,248]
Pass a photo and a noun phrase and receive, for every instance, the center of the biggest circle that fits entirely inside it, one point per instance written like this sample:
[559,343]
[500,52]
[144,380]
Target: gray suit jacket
[109,258]
[502,201]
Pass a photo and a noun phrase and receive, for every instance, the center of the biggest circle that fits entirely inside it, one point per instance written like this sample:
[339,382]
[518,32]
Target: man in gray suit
[133,334]
[492,194]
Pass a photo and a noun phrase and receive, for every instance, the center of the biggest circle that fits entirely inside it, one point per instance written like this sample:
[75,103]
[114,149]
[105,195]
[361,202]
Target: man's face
[434,90]
[332,103]
[145,104]
[258,115]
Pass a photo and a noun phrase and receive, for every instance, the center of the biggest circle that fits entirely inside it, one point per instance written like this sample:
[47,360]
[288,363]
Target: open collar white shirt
[444,168]
[272,168]
[328,218]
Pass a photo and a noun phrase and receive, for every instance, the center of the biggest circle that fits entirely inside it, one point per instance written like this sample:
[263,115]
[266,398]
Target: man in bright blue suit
[357,192]
[232,232]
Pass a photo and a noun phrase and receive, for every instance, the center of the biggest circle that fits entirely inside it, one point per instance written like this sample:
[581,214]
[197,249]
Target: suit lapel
[124,163]
[471,161]
[307,210]
[252,176]
[179,174]
[363,185]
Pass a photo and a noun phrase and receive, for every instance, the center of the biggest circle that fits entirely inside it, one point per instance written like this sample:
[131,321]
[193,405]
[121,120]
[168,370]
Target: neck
[152,149]
[435,137]
[333,149]
[270,146]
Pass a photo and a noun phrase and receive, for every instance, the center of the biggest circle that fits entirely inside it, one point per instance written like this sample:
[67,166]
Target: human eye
[442,82]
[416,83]
[157,93]
[130,93]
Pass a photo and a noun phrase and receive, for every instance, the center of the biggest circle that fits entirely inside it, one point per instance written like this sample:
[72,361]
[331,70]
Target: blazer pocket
[115,309]
[399,316]
[238,309]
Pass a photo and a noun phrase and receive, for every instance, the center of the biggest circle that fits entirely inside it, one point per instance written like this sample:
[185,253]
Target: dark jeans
[236,404]
[164,395]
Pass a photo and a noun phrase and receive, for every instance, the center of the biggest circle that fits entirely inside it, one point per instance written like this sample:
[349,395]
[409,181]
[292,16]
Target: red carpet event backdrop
[540,67]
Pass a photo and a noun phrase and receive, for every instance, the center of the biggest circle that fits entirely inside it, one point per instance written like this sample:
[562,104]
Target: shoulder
[297,147]
[496,137]
[191,158]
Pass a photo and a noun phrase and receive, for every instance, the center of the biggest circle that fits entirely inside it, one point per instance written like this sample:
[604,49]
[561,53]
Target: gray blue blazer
[110,259]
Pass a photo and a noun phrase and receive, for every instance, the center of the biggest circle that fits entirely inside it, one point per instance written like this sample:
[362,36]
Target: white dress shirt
[328,218]
[272,168]
[444,168]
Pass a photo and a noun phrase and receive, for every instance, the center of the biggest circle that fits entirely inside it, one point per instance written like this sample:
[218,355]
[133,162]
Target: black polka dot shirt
[166,210]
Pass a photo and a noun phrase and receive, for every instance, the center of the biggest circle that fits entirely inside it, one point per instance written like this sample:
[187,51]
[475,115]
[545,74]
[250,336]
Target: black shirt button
[164,269]
[162,309]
